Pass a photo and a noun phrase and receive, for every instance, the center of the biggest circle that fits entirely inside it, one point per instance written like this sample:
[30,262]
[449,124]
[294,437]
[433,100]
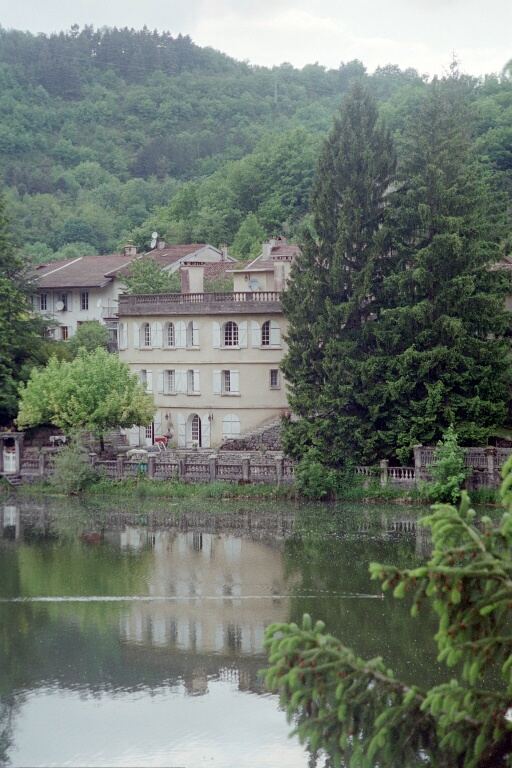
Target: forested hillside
[109,134]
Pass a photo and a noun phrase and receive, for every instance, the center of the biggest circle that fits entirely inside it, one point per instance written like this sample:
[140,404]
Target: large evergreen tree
[442,330]
[336,284]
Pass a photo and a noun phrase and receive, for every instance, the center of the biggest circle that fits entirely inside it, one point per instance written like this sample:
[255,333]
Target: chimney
[130,249]
[160,244]
[192,278]
[224,251]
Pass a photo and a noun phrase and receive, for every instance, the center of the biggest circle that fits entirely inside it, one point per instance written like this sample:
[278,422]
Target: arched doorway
[194,431]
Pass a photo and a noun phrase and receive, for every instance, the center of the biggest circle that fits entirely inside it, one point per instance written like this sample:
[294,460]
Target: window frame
[265,334]
[170,378]
[84,301]
[277,373]
[170,332]
[231,338]
[43,305]
[146,336]
[64,332]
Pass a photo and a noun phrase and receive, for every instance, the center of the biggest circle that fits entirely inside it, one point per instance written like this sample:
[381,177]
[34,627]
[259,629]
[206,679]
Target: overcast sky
[411,33]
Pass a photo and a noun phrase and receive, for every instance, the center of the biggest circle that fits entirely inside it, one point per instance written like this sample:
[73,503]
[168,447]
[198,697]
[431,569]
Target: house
[210,359]
[172,257]
[76,290]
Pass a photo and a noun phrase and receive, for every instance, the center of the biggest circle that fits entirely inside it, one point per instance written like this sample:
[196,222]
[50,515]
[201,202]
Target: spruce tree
[440,334]
[336,284]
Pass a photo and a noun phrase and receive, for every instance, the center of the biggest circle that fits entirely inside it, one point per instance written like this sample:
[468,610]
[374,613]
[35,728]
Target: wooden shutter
[275,334]
[215,335]
[255,333]
[180,333]
[217,383]
[182,428]
[149,381]
[242,334]
[136,335]
[160,387]
[157,424]
[195,381]
[234,380]
[181,381]
[195,333]
[156,334]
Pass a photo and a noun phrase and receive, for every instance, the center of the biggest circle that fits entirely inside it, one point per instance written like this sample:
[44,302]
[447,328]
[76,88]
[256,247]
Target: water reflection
[147,646]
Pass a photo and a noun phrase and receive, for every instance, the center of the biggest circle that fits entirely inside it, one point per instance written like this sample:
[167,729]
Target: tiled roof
[278,252]
[82,272]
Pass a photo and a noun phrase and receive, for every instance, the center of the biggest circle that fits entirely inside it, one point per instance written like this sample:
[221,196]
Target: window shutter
[215,335]
[255,333]
[216,383]
[156,334]
[195,333]
[242,334]
[181,381]
[160,389]
[136,335]
[205,431]
[157,422]
[275,334]
[149,381]
[230,425]
[234,377]
[182,428]
[195,382]
[180,331]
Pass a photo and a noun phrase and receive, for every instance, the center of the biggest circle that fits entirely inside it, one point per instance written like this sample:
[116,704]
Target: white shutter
[156,334]
[242,334]
[234,381]
[136,335]
[275,334]
[182,428]
[133,436]
[216,335]
[160,388]
[205,431]
[149,381]
[181,381]
[195,382]
[255,333]
[216,383]
[180,333]
[230,425]
[157,424]
[195,333]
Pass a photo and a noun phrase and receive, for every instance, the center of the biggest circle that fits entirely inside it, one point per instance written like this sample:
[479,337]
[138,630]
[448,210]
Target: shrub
[448,471]
[72,470]
[314,480]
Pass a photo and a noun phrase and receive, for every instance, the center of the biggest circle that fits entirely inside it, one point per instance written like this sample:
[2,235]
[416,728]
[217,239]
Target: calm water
[133,636]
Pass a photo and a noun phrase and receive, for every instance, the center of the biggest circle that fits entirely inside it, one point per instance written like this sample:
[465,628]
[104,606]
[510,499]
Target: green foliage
[248,239]
[73,472]
[314,480]
[448,470]
[89,336]
[361,715]
[93,392]
[147,277]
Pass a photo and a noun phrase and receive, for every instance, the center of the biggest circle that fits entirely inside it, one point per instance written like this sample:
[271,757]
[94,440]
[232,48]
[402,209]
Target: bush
[448,470]
[314,480]
[72,470]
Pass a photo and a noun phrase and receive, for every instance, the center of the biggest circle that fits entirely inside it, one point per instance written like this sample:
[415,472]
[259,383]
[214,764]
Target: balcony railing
[200,298]
[201,303]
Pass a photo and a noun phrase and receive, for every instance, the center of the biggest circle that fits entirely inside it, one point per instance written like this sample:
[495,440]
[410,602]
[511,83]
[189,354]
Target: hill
[108,134]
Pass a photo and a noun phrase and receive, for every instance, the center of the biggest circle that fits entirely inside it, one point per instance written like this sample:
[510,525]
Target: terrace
[238,302]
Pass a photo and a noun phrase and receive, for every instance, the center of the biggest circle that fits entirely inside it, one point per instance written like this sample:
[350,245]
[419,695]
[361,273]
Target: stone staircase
[267,437]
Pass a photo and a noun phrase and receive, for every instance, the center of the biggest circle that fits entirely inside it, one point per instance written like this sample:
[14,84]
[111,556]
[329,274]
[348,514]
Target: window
[43,301]
[195,429]
[170,338]
[169,382]
[192,334]
[265,334]
[64,298]
[192,382]
[231,334]
[84,300]
[274,378]
[64,332]
[230,426]
[149,432]
[145,335]
[230,382]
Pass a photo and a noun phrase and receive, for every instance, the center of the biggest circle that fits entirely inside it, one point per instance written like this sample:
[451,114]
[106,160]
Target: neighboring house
[73,291]
[270,270]
[211,360]
[171,257]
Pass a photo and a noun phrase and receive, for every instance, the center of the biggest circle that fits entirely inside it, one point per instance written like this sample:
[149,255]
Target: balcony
[238,302]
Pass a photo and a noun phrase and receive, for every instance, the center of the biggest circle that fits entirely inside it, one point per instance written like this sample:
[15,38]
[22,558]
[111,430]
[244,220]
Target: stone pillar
[151,466]
[120,467]
[490,455]
[42,464]
[212,461]
[417,463]
[246,470]
[182,468]
[384,472]
[279,469]
[18,447]
[93,458]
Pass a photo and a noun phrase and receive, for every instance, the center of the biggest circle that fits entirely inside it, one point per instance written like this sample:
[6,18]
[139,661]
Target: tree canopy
[146,276]
[94,392]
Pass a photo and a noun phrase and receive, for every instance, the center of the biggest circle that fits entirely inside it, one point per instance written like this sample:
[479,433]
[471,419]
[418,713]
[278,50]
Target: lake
[131,634]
